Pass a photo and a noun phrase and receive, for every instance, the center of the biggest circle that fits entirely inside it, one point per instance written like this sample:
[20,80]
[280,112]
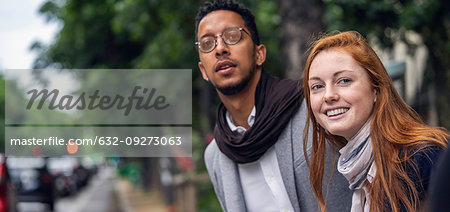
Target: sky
[20,26]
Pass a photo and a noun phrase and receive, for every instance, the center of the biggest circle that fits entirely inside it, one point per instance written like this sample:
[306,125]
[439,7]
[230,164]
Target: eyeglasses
[230,36]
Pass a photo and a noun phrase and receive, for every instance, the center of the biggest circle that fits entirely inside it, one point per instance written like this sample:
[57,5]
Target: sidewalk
[135,200]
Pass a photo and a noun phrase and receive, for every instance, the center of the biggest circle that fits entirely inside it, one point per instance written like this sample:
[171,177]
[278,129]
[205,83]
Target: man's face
[228,67]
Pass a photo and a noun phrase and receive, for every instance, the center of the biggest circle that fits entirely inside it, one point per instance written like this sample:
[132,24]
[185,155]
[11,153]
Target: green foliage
[268,21]
[367,17]
[130,171]
[160,34]
[153,34]
[208,201]
[140,34]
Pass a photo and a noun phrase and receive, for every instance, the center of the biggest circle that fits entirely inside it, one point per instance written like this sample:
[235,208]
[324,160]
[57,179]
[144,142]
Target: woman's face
[342,97]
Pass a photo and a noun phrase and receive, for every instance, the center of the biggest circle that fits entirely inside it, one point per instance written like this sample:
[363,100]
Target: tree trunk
[301,20]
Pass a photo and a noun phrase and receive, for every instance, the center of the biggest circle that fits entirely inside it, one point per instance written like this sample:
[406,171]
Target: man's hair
[244,12]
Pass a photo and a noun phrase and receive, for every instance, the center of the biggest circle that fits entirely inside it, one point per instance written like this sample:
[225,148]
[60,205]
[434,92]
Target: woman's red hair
[397,132]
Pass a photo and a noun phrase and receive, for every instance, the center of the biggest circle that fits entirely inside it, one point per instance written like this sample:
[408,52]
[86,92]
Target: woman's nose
[330,95]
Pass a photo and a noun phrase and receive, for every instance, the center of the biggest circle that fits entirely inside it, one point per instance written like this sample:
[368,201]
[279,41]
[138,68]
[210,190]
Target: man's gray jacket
[294,171]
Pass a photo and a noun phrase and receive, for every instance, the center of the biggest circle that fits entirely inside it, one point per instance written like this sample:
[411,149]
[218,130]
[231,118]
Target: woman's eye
[344,80]
[315,87]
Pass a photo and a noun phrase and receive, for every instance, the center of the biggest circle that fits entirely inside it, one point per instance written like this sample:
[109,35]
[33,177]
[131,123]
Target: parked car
[70,174]
[81,172]
[32,180]
[89,164]
[63,172]
[8,201]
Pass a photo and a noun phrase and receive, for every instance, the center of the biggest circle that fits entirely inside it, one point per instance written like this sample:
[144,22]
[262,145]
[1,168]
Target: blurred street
[82,184]
[104,193]
[98,196]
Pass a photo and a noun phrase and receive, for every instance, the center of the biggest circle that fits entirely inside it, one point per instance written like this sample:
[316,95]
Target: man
[256,162]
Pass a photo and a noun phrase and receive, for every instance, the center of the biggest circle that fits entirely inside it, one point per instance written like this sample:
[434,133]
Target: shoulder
[300,115]
[211,148]
[211,153]
[440,184]
[421,165]
[297,123]
[426,157]
[211,161]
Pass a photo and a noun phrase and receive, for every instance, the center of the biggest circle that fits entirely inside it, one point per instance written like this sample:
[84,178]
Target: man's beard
[237,87]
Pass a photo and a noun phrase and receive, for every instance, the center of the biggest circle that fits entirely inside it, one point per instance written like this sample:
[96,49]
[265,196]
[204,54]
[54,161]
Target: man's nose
[222,48]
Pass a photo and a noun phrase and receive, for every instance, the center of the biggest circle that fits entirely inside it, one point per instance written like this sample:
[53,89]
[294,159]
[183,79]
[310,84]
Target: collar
[234,128]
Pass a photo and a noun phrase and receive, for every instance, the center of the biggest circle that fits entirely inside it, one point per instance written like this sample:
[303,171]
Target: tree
[300,20]
[120,34]
[137,34]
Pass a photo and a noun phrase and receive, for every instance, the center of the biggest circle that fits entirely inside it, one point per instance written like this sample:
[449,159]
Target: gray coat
[294,171]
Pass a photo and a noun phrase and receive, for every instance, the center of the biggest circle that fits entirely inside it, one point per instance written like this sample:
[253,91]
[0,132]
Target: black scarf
[276,103]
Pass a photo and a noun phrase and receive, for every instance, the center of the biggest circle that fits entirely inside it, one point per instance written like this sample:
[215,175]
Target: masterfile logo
[94,101]
[127,113]
[153,96]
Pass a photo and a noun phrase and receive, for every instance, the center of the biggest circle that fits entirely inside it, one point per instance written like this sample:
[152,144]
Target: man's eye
[208,42]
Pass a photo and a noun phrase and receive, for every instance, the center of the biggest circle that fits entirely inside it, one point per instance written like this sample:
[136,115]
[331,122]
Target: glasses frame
[197,44]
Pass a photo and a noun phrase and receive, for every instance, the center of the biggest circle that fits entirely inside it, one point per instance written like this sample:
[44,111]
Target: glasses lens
[232,35]
[207,44]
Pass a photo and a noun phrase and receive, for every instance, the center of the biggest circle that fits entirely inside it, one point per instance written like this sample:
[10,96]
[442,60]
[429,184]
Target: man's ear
[260,54]
[203,70]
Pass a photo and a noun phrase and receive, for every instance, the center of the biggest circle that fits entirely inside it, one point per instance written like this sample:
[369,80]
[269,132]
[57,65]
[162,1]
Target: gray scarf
[354,163]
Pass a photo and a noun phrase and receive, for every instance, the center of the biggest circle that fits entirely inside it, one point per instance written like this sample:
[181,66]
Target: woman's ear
[376,94]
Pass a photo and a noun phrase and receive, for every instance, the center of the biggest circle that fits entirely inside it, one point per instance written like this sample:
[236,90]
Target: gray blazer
[294,171]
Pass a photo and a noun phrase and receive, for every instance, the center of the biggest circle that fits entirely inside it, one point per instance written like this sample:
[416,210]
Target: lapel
[232,189]
[283,148]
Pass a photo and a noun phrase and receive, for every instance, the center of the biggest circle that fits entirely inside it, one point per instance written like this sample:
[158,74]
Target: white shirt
[261,180]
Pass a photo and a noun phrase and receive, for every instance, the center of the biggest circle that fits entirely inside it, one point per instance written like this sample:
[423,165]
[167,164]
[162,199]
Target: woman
[387,152]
